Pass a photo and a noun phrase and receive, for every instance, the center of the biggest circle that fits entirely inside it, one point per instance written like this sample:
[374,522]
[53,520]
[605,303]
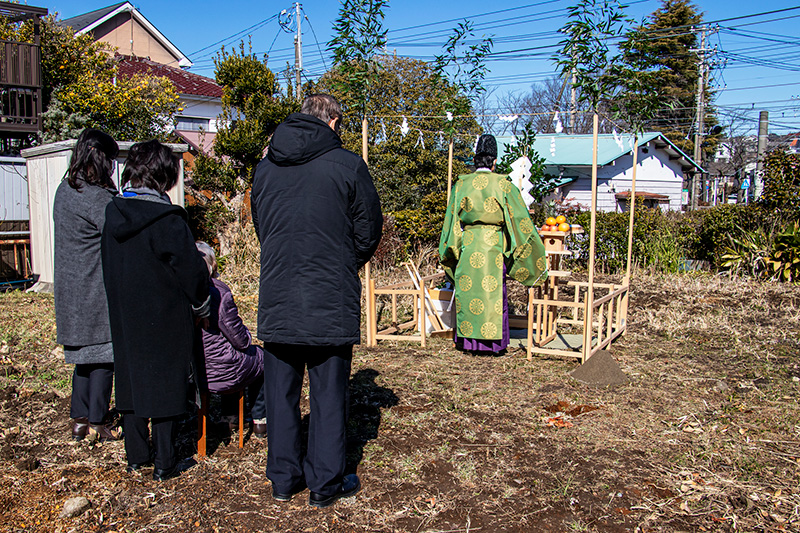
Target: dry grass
[705,437]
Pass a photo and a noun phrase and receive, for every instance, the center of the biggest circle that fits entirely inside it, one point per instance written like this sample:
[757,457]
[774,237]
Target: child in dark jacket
[156,283]
[232,361]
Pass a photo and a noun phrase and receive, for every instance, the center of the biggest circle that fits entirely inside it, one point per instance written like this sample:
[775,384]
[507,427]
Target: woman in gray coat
[80,297]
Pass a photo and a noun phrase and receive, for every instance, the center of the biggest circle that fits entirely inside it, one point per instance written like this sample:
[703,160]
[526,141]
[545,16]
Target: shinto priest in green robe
[488,231]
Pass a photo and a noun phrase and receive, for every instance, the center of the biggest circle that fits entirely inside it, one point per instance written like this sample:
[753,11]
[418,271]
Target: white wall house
[659,178]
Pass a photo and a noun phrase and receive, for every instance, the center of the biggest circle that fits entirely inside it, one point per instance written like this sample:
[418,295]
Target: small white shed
[47,166]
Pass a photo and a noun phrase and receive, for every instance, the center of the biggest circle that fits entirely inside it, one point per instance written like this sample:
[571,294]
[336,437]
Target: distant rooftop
[576,149]
[87,22]
[185,81]
[81,22]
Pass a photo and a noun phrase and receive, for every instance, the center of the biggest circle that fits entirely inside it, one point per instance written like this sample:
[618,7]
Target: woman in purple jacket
[232,361]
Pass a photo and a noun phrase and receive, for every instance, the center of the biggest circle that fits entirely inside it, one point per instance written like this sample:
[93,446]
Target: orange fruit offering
[563,227]
[545,228]
[561,219]
[551,221]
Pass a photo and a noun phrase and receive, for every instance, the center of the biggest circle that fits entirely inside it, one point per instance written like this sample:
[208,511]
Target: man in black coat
[318,218]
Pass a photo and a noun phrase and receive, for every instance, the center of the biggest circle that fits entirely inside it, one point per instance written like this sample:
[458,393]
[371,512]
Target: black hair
[483,161]
[152,165]
[92,159]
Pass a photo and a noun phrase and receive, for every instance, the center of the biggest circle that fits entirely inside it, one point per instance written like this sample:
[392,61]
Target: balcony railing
[20,87]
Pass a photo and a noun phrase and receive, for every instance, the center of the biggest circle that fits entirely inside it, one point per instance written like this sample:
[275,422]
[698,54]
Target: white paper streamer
[618,140]
[508,118]
[420,140]
[552,146]
[383,131]
[404,129]
[559,125]
[449,116]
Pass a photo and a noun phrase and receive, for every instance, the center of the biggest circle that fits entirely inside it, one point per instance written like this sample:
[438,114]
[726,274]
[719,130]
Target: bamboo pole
[632,206]
[367,274]
[587,317]
[449,169]
[364,150]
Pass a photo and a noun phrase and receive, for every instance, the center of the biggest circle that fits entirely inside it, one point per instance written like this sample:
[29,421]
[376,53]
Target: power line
[315,40]
[236,35]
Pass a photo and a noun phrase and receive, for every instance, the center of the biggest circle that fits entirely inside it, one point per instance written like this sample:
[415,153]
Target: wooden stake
[449,169]
[364,151]
[587,317]
[367,277]
[632,206]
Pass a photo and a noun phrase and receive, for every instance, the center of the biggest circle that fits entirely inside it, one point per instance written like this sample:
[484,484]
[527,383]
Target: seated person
[232,362]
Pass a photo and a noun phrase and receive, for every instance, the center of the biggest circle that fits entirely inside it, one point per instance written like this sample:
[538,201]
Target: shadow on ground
[367,398]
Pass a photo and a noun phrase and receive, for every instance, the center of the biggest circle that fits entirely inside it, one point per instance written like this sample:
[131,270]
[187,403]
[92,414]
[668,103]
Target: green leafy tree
[409,170]
[781,194]
[462,68]
[659,57]
[82,87]
[358,37]
[253,105]
[585,50]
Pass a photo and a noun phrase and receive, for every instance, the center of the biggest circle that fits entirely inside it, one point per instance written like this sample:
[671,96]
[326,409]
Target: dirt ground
[705,437]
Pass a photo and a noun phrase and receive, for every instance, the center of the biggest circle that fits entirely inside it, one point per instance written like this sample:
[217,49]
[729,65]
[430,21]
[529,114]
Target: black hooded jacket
[318,217]
[153,276]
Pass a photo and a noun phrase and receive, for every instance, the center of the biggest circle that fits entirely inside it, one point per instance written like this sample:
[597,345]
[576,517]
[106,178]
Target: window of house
[192,124]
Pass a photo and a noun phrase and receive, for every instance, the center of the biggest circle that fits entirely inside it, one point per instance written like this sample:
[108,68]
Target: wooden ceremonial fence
[601,319]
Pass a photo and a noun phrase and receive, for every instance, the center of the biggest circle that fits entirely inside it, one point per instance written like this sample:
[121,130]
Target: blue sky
[757,60]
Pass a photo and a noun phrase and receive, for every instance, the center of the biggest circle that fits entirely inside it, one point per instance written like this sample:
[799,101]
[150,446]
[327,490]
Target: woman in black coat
[79,211]
[157,284]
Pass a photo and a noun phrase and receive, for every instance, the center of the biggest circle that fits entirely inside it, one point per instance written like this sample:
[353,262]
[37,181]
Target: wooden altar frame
[602,320]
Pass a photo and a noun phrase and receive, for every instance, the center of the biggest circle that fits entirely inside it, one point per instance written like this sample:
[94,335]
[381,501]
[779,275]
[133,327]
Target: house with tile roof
[142,49]
[201,99]
[123,27]
[659,177]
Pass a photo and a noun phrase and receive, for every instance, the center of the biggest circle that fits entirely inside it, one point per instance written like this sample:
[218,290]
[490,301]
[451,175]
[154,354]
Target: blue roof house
[659,178]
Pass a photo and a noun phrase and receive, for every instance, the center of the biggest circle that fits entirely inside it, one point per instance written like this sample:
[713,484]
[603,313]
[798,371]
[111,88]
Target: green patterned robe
[487,224]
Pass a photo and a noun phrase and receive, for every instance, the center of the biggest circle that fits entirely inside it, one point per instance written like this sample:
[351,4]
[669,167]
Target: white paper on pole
[527,198]
[520,174]
[404,129]
[559,126]
[618,140]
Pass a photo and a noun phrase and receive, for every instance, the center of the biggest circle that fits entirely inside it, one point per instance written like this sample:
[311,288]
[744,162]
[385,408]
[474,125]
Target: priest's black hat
[487,145]
[100,141]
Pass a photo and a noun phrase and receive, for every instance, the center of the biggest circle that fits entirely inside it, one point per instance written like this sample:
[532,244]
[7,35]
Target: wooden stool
[202,421]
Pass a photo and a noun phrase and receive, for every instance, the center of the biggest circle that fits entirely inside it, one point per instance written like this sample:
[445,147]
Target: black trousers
[91,391]
[137,435]
[328,375]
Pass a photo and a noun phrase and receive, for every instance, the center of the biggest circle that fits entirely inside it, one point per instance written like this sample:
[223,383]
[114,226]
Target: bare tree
[539,107]
[485,112]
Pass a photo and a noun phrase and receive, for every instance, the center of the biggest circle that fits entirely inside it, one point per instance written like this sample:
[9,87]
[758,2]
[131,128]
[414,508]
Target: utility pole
[697,180]
[763,131]
[298,51]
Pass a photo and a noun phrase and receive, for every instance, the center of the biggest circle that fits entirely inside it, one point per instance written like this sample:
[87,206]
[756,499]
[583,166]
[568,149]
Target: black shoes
[259,430]
[350,486]
[287,496]
[163,474]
